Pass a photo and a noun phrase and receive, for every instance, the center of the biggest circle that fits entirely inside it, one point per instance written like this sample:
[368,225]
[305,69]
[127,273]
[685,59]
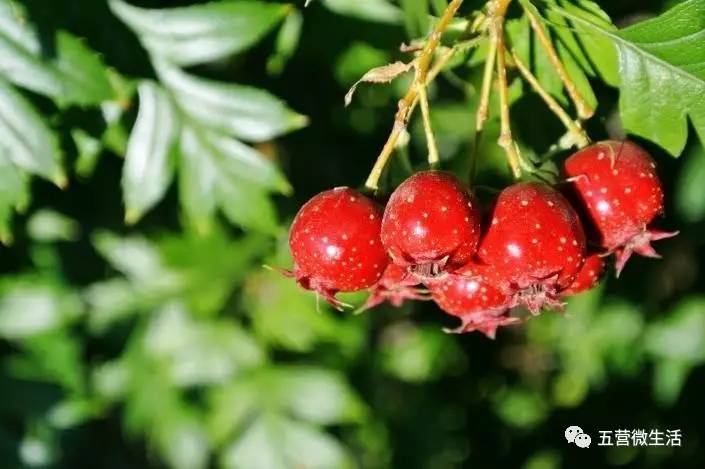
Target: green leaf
[149,162]
[89,150]
[315,395]
[244,162]
[246,205]
[110,301]
[182,441]
[200,33]
[681,335]
[569,51]
[380,11]
[73,74]
[416,19]
[245,112]
[285,316]
[198,353]
[13,193]
[669,378]
[356,60]
[48,225]
[82,74]
[594,53]
[662,73]
[54,356]
[418,354]
[218,171]
[690,188]
[521,408]
[197,180]
[133,256]
[29,142]
[286,43]
[31,306]
[275,442]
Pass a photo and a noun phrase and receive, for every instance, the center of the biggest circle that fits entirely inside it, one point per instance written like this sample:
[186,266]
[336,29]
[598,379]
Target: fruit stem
[444,56]
[483,107]
[579,135]
[405,104]
[428,130]
[506,141]
[585,111]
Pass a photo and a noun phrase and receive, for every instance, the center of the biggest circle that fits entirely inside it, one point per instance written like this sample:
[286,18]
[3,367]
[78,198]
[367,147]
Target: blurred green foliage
[163,342]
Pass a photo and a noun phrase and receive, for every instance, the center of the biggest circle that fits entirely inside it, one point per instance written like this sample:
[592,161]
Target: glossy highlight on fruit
[469,295]
[431,224]
[536,244]
[335,243]
[617,183]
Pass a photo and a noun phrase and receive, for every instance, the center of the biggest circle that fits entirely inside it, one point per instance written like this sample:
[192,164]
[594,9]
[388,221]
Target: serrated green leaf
[200,33]
[380,11]
[19,53]
[244,162]
[197,180]
[149,162]
[690,188]
[662,73]
[71,74]
[30,143]
[82,74]
[243,111]
[246,205]
[217,171]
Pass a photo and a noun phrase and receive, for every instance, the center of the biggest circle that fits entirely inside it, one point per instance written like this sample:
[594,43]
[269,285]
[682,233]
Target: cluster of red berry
[531,252]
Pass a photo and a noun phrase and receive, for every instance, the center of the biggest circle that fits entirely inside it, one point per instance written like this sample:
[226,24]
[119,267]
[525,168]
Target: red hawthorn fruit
[589,275]
[469,295]
[621,192]
[335,243]
[535,243]
[431,224]
[395,286]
